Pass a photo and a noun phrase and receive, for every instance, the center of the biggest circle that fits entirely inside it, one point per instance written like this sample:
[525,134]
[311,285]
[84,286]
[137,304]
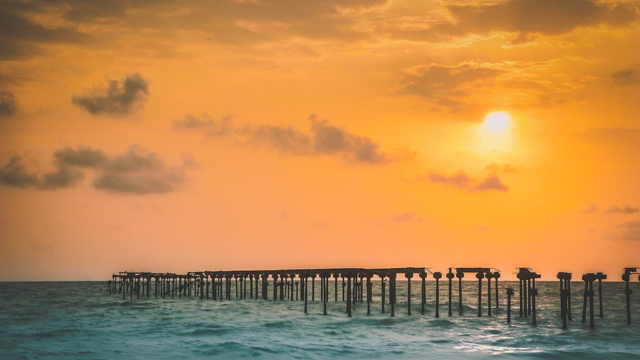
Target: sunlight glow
[497,122]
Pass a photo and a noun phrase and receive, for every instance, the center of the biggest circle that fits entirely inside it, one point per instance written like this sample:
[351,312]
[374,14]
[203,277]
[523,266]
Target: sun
[497,122]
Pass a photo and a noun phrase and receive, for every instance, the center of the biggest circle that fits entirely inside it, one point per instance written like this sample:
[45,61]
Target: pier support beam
[450,276]
[438,276]
[460,275]
[408,276]
[480,276]
[509,294]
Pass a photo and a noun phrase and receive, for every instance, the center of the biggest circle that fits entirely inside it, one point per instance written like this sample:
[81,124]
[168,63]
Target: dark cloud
[323,139]
[464,181]
[629,76]
[440,80]
[330,139]
[63,177]
[524,18]
[14,174]
[119,98]
[592,209]
[205,124]
[140,172]
[629,230]
[137,171]
[21,37]
[83,157]
[7,104]
[228,22]
[622,210]
[285,139]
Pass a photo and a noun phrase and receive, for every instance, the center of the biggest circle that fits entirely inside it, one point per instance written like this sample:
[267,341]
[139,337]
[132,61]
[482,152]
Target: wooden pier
[355,286]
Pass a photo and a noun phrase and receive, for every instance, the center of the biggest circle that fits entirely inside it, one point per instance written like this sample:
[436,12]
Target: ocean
[79,320]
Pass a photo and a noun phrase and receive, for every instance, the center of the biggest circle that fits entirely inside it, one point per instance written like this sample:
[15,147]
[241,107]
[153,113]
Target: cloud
[140,172]
[7,104]
[622,210]
[505,168]
[523,18]
[285,139]
[21,36]
[63,177]
[83,157]
[205,124]
[464,181]
[119,98]
[492,182]
[436,80]
[330,139]
[323,139]
[459,179]
[137,171]
[15,175]
[629,230]
[630,76]
[592,209]
[410,216]
[26,28]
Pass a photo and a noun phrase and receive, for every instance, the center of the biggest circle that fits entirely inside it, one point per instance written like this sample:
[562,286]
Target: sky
[171,136]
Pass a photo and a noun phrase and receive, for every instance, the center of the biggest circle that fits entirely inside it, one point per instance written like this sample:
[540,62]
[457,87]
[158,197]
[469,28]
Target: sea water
[79,320]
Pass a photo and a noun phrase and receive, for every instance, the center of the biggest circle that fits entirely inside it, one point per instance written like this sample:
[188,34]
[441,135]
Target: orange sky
[239,134]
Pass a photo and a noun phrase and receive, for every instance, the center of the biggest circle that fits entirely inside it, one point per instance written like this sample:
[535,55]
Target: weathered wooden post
[496,275]
[585,296]
[489,277]
[392,293]
[519,276]
[423,276]
[306,278]
[450,277]
[563,277]
[324,277]
[626,277]
[335,277]
[479,276]
[459,275]
[250,286]
[568,296]
[275,286]
[348,295]
[534,293]
[438,276]
[408,276]
[369,293]
[509,294]
[382,294]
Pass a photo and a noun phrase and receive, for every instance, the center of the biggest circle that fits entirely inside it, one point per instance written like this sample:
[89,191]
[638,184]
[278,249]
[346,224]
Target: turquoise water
[78,320]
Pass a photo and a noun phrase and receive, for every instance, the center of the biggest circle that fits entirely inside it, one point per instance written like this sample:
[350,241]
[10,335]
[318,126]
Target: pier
[354,286]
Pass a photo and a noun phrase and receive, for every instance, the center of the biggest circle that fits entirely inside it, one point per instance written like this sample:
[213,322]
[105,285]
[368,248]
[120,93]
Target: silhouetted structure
[293,285]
